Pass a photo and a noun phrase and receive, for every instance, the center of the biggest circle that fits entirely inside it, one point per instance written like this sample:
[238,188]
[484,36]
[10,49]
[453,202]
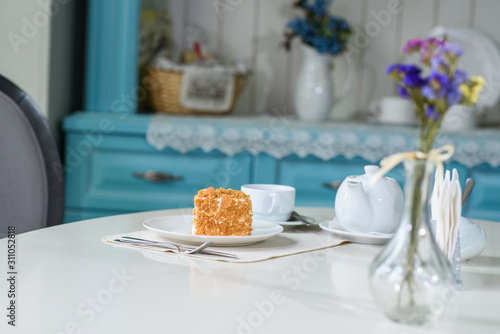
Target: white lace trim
[280,137]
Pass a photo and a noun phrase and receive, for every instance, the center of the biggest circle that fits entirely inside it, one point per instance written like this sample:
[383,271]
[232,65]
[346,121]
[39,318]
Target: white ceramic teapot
[361,208]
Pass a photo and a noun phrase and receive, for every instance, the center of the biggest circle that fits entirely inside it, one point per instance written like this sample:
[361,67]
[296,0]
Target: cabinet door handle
[156,176]
[332,185]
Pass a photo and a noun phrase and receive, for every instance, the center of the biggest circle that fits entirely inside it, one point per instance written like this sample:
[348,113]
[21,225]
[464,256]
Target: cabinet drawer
[107,178]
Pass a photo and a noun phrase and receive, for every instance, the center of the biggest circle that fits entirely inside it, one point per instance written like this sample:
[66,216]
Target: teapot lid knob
[371,169]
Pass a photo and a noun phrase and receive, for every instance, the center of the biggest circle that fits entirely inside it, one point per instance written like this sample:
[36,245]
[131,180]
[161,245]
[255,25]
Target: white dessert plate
[178,228]
[362,238]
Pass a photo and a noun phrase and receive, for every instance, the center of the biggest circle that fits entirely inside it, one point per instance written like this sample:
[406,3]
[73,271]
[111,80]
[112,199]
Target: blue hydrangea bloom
[327,34]
[319,7]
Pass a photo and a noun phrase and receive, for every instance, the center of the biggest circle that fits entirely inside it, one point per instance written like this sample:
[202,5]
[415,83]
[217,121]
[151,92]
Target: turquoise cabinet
[112,166]
[486,200]
[112,54]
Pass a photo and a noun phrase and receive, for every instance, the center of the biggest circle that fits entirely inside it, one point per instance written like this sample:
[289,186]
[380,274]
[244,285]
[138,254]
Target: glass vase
[411,280]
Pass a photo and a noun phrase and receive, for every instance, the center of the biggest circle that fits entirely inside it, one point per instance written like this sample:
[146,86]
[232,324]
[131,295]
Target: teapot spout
[356,188]
[357,209]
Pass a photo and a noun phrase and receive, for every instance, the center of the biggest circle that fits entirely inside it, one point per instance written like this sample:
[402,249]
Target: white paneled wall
[251,30]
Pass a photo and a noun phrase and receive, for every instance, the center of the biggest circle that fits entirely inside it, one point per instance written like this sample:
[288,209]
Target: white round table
[68,281]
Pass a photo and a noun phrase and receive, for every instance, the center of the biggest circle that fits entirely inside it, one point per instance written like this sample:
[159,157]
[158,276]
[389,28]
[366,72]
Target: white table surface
[71,282]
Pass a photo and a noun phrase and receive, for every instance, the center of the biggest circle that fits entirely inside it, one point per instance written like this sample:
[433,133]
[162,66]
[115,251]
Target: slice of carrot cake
[222,212]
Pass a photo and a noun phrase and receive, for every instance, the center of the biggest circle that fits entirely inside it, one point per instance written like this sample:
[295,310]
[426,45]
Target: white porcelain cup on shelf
[460,118]
[271,202]
[394,110]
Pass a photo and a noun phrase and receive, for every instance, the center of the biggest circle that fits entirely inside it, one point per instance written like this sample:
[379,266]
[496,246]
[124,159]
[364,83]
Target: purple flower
[403,92]
[439,63]
[428,92]
[411,70]
[413,45]
[434,41]
[410,75]
[454,96]
[404,69]
[413,79]
[432,113]
[451,49]
[436,86]
[439,86]
[460,77]
[391,68]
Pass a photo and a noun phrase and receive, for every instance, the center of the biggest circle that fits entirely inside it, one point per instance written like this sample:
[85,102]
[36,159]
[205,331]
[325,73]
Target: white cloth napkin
[446,209]
[292,241]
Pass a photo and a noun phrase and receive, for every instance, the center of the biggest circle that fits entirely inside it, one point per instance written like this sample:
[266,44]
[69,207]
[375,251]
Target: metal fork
[169,245]
[182,250]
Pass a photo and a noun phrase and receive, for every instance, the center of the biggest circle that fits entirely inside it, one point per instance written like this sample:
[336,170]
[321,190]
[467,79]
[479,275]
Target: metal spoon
[469,185]
[306,220]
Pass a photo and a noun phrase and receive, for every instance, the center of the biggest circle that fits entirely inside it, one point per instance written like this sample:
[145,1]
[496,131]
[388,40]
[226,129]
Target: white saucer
[178,228]
[362,238]
[472,239]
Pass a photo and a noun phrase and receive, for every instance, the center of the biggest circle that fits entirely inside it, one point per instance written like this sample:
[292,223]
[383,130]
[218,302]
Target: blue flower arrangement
[326,33]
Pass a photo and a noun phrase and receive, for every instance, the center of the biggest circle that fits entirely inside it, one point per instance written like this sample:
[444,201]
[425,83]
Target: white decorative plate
[362,238]
[178,228]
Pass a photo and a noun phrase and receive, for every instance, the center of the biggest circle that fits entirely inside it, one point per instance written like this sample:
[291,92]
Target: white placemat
[293,241]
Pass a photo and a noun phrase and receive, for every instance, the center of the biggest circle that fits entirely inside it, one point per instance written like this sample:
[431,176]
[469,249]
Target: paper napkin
[446,209]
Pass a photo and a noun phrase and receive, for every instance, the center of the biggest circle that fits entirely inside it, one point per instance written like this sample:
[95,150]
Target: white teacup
[460,118]
[394,110]
[271,201]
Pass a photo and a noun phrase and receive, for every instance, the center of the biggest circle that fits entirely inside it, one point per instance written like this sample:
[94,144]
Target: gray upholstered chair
[31,183]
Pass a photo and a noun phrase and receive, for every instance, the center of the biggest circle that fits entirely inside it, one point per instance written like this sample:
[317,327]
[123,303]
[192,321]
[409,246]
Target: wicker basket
[166,90]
